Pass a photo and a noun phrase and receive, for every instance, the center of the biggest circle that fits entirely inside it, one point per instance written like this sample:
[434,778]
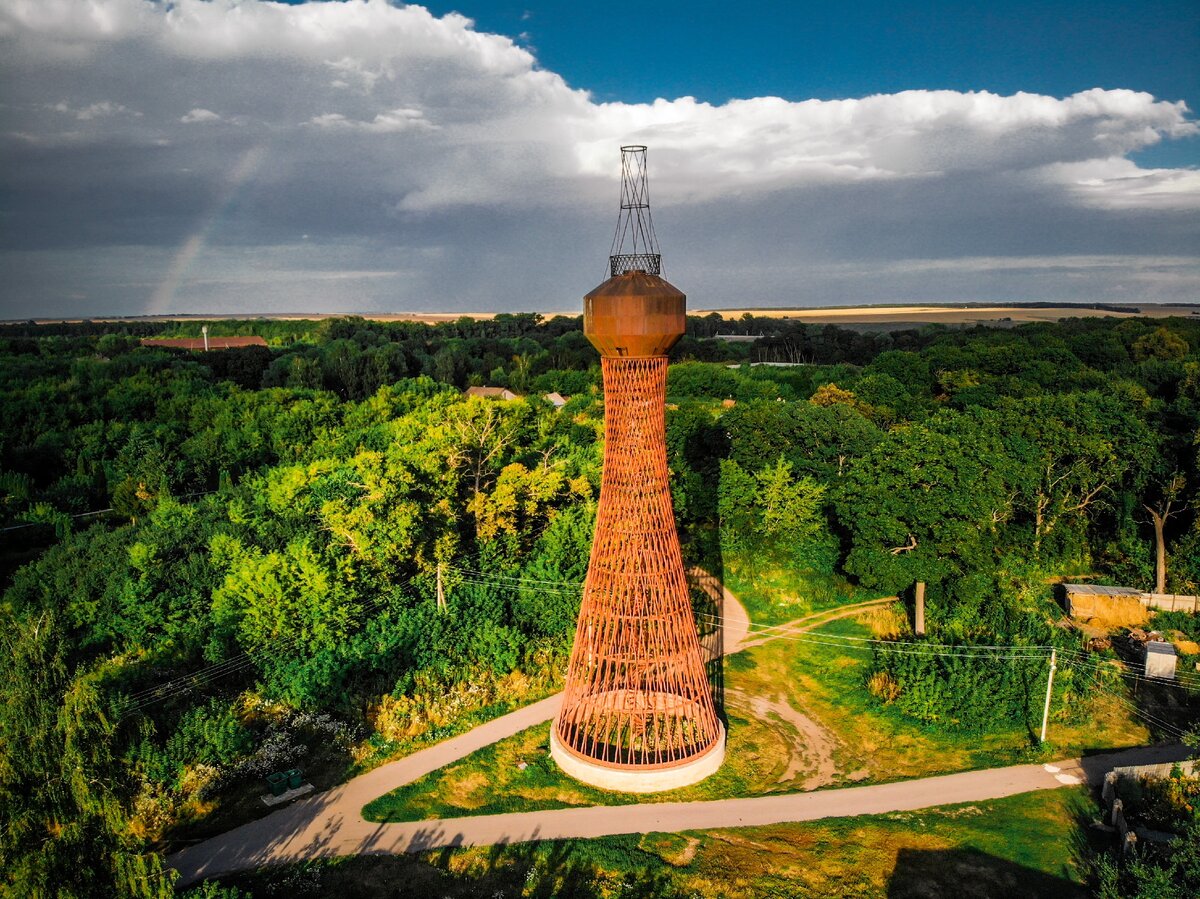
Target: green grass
[879,744]
[873,743]
[1022,845]
[491,780]
[774,594]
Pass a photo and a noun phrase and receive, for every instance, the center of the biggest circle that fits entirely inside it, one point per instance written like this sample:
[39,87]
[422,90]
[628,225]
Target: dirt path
[331,824]
[812,751]
[815,744]
[808,622]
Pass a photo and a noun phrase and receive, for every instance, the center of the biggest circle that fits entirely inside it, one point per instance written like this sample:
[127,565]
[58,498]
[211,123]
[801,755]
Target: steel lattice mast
[638,712]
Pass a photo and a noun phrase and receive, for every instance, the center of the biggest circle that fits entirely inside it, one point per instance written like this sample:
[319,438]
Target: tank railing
[650,263]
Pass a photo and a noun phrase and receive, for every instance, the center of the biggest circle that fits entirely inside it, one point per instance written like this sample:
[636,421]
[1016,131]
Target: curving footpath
[326,829]
[331,824]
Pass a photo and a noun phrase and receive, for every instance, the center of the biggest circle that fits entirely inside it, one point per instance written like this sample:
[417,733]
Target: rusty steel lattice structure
[638,711]
[634,221]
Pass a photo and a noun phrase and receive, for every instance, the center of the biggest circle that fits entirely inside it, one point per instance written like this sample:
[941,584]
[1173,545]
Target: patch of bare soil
[810,760]
[815,620]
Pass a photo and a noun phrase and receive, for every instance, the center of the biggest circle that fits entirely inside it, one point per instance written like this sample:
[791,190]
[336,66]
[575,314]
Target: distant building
[1160,659]
[555,399]
[197,343]
[1093,600]
[492,393]
[1114,605]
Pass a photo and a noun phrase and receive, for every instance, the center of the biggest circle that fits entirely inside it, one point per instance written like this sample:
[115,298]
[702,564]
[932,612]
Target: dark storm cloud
[252,156]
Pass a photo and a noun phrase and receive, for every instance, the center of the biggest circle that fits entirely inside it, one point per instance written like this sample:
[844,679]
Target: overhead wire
[786,631]
[177,686]
[34,524]
[1149,717]
[1185,679]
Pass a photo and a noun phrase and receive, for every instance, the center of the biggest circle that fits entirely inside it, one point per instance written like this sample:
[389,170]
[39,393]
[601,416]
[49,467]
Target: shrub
[960,692]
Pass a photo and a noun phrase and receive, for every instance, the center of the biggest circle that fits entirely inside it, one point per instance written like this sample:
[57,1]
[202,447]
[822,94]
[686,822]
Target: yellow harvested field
[824,315]
[950,315]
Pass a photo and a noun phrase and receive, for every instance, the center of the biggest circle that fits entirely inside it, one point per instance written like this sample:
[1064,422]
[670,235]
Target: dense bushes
[285,512]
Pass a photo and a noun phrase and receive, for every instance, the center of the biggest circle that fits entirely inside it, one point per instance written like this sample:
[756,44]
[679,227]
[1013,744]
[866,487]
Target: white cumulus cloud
[397,141]
[193,116]
[390,122]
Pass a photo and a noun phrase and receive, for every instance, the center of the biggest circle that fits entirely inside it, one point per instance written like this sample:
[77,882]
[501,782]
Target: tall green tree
[65,829]
[921,506]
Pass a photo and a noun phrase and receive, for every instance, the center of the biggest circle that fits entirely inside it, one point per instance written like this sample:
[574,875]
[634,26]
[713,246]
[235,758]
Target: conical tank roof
[634,314]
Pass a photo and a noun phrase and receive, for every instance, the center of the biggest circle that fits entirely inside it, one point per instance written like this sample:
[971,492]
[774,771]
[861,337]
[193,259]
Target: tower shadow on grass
[966,873]
[708,605]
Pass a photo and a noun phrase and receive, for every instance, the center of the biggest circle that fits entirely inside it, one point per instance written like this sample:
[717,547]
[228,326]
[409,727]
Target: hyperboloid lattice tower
[638,712]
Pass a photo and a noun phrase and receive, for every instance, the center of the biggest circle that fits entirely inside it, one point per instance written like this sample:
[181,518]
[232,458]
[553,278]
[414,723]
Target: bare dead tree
[1167,505]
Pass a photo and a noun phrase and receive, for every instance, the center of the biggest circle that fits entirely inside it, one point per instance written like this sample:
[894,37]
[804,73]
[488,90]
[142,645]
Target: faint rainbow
[193,245]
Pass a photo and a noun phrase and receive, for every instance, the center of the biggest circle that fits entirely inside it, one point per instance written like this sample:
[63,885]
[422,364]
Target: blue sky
[245,156]
[638,51]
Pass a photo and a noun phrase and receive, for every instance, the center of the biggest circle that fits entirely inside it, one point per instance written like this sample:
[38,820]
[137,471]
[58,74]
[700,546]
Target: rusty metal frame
[637,695]
[634,220]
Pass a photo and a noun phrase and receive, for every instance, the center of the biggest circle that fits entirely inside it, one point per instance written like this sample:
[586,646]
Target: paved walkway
[308,828]
[331,823]
[331,828]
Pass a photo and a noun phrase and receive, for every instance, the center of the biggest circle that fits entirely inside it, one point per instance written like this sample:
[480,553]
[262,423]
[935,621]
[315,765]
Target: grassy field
[493,780]
[1024,845]
[775,595]
[947,314]
[825,685]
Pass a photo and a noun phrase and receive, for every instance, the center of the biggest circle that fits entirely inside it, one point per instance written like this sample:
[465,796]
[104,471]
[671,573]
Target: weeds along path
[331,824]
[809,622]
[810,755]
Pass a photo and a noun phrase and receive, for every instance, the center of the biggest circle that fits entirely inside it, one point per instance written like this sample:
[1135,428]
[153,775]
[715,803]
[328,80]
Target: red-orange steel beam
[636,694]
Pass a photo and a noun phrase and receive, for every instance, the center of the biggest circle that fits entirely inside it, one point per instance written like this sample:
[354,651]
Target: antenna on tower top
[635,225]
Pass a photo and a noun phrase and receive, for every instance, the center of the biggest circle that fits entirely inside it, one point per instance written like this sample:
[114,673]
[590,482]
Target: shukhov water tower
[637,712]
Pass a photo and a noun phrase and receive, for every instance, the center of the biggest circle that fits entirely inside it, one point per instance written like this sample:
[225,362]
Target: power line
[783,630]
[1186,680]
[963,651]
[177,686]
[479,582]
[1142,713]
[34,524]
[475,576]
[786,631]
[471,572]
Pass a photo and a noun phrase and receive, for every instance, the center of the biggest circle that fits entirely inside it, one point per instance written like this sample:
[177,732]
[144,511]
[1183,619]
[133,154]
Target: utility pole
[1049,686]
[204,331]
[919,612]
[441,593]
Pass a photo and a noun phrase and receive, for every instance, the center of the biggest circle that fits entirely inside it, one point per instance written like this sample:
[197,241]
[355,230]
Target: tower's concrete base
[638,780]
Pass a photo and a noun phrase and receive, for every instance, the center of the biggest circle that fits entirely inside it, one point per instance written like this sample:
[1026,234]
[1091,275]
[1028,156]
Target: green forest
[220,565]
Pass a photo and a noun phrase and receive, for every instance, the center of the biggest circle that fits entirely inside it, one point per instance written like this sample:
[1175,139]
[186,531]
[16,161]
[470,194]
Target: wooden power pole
[441,593]
[919,612]
[1049,687]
